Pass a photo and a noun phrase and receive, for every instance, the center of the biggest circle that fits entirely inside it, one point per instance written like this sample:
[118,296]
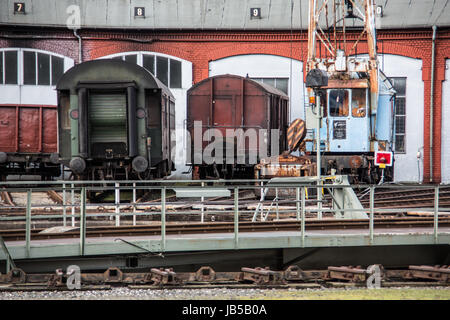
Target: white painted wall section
[266,66]
[445,139]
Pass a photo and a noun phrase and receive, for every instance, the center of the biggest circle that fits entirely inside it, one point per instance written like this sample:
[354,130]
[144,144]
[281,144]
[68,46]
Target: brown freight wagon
[28,140]
[226,108]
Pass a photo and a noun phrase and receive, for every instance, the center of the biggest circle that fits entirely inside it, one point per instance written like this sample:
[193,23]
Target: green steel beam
[218,242]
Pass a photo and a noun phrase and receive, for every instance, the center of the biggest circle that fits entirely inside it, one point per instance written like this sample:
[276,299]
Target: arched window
[22,66]
[167,69]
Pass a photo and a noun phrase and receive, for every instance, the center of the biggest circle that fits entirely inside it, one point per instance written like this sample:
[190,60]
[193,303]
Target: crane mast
[328,29]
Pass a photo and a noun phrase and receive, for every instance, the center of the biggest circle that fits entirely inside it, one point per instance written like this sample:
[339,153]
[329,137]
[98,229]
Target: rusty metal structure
[356,106]
[240,118]
[28,140]
[287,164]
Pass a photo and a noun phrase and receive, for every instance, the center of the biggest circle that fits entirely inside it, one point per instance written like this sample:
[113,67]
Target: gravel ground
[124,293]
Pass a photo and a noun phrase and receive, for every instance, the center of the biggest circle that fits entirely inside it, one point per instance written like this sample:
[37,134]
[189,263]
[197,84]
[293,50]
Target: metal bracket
[16,275]
[261,276]
[205,274]
[162,276]
[113,275]
[294,273]
[437,273]
[350,273]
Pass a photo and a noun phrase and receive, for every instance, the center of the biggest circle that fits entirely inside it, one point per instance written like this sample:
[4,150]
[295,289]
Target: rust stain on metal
[28,129]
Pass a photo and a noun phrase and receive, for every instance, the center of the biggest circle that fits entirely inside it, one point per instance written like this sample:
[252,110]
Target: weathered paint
[262,240]
[28,129]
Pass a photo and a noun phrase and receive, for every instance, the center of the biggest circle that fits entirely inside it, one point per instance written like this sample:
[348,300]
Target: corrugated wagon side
[238,121]
[28,140]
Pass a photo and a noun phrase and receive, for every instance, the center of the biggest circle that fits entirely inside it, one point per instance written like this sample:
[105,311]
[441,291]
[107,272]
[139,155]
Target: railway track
[227,227]
[407,198]
[245,277]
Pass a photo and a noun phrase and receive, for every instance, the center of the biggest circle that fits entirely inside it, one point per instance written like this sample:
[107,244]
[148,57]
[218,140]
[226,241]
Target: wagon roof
[264,86]
[110,71]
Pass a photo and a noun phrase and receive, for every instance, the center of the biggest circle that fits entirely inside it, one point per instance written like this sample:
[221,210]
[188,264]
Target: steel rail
[226,227]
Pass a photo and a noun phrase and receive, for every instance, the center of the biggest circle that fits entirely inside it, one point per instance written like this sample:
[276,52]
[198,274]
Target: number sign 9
[19,7]
[255,13]
[139,11]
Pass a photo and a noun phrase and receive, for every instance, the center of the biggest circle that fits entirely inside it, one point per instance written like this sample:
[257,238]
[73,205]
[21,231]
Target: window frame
[276,79]
[18,75]
[349,96]
[365,106]
[140,62]
[397,96]
[20,66]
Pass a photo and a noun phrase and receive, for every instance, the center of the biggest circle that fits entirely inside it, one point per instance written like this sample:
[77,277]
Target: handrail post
[117,201]
[236,217]
[82,220]
[28,223]
[163,218]
[436,213]
[64,205]
[202,206]
[302,228]
[73,203]
[134,203]
[276,198]
[372,210]
[297,202]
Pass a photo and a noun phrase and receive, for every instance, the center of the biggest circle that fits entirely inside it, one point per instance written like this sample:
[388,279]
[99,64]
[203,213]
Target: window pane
[57,69]
[149,62]
[269,81]
[338,103]
[29,67]
[400,106]
[43,69]
[359,103]
[10,67]
[399,85]
[118,58]
[175,73]
[400,143]
[1,67]
[131,58]
[162,69]
[282,84]
[400,124]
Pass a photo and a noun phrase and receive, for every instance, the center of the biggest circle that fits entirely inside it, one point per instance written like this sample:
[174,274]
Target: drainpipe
[432,102]
[80,53]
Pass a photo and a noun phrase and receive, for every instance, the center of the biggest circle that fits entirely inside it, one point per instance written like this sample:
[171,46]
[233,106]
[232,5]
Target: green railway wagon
[115,121]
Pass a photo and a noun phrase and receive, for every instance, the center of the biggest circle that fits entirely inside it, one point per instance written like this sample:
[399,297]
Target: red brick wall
[202,47]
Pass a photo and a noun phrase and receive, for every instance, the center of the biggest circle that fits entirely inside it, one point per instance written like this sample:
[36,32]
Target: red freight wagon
[224,106]
[28,140]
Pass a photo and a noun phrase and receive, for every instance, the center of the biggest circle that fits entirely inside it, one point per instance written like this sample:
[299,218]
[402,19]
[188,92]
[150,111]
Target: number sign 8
[139,12]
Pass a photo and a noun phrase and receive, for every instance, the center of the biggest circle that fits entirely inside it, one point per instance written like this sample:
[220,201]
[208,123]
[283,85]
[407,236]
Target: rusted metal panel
[28,129]
[344,84]
[50,130]
[8,129]
[233,102]
[286,166]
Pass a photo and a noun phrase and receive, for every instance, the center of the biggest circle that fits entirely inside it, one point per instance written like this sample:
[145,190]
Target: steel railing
[304,203]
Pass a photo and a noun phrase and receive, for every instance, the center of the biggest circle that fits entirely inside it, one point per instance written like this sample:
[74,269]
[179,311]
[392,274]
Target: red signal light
[384,158]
